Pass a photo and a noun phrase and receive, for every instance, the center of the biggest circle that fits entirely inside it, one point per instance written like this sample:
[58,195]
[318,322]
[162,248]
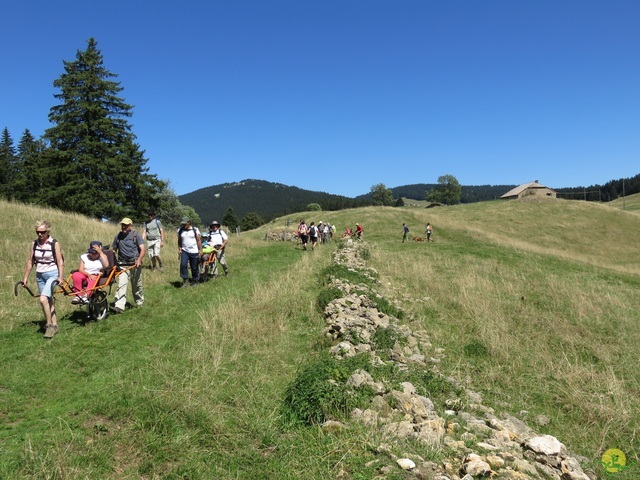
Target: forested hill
[267,199]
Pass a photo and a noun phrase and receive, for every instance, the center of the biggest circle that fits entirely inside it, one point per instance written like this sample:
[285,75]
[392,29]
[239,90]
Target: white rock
[406,464]
[545,444]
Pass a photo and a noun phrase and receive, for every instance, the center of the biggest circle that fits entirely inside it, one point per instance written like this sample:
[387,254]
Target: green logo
[614,461]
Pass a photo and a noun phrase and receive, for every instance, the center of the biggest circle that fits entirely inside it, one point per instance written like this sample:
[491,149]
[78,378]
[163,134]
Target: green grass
[535,304]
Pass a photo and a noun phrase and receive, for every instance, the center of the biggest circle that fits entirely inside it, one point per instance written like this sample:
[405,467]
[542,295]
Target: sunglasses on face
[41,232]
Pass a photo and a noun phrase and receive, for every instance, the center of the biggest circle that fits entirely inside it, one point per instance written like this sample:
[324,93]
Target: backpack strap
[53,251]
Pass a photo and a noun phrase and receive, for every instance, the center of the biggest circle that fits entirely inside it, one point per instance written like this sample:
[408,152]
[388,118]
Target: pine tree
[93,160]
[231,220]
[7,164]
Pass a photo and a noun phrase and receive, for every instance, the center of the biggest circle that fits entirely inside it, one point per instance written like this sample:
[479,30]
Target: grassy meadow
[536,305]
[630,203]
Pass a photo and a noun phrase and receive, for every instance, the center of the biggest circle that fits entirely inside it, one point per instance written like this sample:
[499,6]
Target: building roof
[514,192]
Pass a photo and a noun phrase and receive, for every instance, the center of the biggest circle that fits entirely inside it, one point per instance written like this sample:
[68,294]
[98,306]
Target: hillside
[630,203]
[523,302]
[267,199]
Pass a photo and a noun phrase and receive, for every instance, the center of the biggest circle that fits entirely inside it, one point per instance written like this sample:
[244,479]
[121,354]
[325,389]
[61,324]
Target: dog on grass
[418,239]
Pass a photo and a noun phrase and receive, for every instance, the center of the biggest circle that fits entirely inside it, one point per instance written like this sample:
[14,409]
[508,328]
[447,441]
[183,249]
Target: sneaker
[185,283]
[77,300]
[160,269]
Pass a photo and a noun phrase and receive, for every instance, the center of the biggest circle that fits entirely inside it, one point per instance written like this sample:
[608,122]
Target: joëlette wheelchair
[97,296]
[208,263]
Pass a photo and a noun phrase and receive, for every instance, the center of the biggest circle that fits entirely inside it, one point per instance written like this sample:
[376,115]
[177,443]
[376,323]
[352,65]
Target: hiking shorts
[45,282]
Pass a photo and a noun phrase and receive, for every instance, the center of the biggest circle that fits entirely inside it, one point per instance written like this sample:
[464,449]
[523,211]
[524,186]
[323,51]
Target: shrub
[319,392]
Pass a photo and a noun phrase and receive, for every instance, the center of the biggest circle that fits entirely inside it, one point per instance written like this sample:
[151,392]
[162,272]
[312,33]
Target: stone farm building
[530,189]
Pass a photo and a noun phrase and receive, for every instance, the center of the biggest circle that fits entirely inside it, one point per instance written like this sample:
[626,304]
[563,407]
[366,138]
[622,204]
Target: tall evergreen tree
[94,165]
[28,181]
[231,220]
[7,163]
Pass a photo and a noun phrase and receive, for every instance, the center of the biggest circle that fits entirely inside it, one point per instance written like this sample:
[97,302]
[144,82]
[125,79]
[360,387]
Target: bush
[318,393]
[326,296]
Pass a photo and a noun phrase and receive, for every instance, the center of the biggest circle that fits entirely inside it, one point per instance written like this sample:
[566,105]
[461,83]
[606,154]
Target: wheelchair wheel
[98,306]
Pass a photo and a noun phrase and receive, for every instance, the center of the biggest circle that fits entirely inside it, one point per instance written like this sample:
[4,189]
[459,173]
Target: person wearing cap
[129,247]
[88,273]
[190,250]
[154,235]
[219,240]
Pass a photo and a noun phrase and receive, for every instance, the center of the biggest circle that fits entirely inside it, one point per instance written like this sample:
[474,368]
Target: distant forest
[270,200]
[267,199]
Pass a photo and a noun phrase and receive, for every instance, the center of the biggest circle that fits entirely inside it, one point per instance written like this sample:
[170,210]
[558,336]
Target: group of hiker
[198,252]
[128,249]
[428,232]
[324,232]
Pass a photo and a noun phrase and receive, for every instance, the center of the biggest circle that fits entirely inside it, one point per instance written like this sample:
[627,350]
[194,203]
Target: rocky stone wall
[480,441]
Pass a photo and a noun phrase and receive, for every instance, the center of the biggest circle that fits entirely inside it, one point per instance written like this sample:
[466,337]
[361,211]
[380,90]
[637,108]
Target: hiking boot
[50,331]
[185,283]
[77,300]
[118,310]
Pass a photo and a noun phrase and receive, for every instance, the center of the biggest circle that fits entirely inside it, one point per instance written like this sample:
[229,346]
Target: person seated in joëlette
[89,271]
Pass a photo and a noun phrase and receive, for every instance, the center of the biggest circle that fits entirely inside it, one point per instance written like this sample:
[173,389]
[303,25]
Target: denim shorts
[45,280]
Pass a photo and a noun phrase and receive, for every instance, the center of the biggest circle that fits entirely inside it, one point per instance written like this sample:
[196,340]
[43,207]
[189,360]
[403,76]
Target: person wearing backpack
[313,235]
[429,231]
[46,254]
[129,247]
[219,240]
[303,233]
[190,250]
[154,235]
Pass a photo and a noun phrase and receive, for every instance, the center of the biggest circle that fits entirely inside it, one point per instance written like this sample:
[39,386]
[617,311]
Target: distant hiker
[219,240]
[325,233]
[359,231]
[130,250]
[313,235]
[154,235]
[46,254]
[405,232]
[303,233]
[190,249]
[429,231]
[89,270]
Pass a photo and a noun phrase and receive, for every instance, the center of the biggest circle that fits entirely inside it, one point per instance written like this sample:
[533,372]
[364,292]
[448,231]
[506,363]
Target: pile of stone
[282,236]
[480,442]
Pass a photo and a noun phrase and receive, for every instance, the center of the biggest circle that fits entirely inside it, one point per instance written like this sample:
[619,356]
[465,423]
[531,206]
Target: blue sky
[339,95]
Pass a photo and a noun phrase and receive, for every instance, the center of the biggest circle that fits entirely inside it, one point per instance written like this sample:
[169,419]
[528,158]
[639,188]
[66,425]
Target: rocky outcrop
[481,442]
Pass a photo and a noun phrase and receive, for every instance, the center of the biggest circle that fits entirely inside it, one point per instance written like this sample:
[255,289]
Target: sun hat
[126,221]
[185,220]
[214,222]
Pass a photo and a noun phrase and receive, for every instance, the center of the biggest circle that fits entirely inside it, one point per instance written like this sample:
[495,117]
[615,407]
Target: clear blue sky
[339,95]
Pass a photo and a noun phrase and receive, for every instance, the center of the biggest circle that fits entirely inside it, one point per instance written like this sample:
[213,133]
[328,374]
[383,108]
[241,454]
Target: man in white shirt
[190,249]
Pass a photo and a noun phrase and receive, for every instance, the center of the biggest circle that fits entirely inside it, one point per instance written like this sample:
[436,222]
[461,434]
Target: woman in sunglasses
[45,253]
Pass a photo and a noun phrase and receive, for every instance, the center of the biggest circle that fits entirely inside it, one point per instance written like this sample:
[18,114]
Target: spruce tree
[27,182]
[231,220]
[94,165]
[7,164]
